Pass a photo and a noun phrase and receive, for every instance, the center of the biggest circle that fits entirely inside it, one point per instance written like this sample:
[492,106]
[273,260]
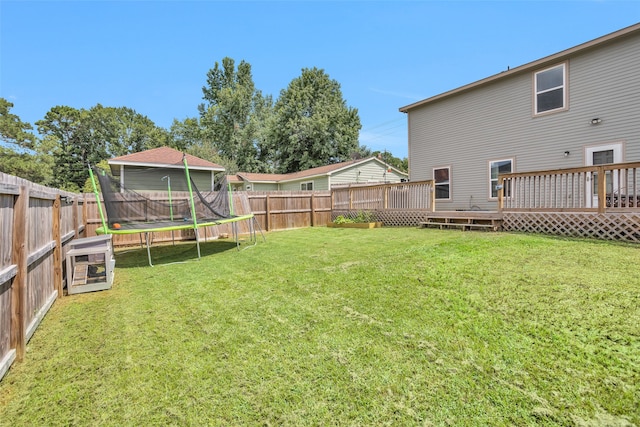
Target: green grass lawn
[390,326]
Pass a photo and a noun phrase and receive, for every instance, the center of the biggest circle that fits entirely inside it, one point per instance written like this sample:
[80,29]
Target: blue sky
[153,56]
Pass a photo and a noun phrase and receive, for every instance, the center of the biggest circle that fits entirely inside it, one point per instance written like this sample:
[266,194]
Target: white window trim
[449,182]
[307,182]
[617,147]
[510,159]
[565,92]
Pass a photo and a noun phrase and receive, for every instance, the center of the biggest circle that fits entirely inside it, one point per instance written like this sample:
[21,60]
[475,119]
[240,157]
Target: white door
[600,155]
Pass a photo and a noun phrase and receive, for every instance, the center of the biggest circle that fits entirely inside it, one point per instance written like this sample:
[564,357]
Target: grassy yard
[391,326]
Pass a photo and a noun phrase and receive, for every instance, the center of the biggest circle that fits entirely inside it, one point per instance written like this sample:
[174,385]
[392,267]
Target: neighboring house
[578,107]
[369,170]
[140,171]
[235,182]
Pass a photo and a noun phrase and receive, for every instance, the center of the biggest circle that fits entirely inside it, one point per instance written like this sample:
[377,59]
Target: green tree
[88,185]
[14,131]
[197,141]
[234,114]
[312,124]
[79,138]
[188,133]
[124,130]
[18,155]
[362,152]
[33,167]
[74,144]
[391,160]
[257,131]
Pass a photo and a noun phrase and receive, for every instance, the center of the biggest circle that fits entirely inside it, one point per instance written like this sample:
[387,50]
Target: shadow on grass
[169,254]
[589,240]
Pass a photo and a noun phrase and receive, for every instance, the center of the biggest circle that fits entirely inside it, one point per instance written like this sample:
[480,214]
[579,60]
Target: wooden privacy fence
[399,204]
[280,210]
[592,201]
[36,223]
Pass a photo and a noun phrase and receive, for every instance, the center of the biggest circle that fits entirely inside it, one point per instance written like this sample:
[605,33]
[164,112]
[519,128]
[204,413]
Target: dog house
[90,264]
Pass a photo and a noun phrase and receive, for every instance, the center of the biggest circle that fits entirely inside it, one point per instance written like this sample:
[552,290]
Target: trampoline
[169,209]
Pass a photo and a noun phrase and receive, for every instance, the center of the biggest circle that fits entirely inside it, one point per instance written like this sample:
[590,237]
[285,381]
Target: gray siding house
[139,171]
[578,107]
[369,170]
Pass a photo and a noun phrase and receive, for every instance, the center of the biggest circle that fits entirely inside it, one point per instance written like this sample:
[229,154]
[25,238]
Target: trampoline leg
[198,241]
[257,225]
[146,236]
[234,226]
[252,234]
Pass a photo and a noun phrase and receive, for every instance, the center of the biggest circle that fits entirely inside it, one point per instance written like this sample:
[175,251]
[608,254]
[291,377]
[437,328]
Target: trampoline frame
[146,227]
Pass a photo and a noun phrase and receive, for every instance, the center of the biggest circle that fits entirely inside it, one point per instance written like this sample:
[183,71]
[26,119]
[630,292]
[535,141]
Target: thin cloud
[412,97]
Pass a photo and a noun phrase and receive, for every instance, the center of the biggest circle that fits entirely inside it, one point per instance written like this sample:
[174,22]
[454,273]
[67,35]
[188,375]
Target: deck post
[432,196]
[602,190]
[501,194]
[386,197]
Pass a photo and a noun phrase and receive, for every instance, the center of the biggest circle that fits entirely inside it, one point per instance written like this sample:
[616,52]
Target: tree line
[236,126]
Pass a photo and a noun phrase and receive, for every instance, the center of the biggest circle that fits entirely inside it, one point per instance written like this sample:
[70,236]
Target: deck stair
[465,220]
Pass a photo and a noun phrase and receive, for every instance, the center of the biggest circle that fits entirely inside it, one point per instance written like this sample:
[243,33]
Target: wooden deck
[465,220]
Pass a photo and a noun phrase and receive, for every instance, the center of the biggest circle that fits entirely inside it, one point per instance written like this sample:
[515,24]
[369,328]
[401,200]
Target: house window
[496,168]
[550,89]
[308,186]
[442,183]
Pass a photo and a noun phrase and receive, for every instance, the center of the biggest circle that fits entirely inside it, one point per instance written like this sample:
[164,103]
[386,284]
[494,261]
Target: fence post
[75,218]
[267,210]
[332,202]
[85,215]
[19,284]
[57,250]
[313,212]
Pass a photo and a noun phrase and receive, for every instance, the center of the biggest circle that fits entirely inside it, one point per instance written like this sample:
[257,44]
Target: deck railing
[612,187]
[397,196]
